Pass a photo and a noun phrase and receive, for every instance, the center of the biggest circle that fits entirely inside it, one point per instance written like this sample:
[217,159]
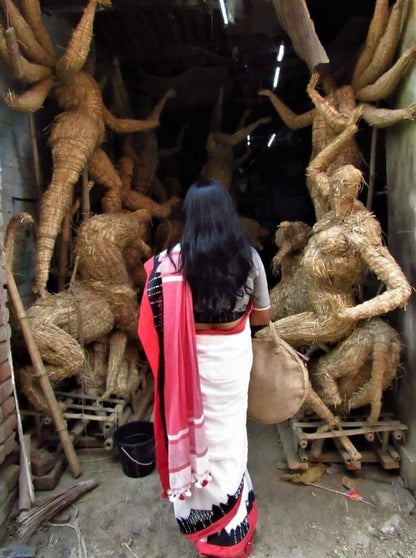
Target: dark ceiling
[184,44]
[155,41]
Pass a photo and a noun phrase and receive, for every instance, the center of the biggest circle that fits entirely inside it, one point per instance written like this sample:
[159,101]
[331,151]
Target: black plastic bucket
[135,442]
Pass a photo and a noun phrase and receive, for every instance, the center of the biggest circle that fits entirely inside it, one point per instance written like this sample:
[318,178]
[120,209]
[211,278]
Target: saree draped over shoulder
[200,412]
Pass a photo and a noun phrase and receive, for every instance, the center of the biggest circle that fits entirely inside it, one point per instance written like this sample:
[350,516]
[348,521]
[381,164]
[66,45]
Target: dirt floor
[125,517]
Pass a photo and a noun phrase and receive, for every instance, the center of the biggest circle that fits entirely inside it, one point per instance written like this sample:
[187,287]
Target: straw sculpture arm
[336,119]
[240,135]
[241,160]
[375,78]
[291,119]
[142,149]
[317,179]
[381,262]
[375,32]
[387,82]
[383,117]
[28,72]
[133,200]
[381,45]
[127,125]
[220,162]
[168,152]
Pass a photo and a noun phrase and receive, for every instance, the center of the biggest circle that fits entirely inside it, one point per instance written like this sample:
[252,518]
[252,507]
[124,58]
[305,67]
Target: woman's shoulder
[256,257]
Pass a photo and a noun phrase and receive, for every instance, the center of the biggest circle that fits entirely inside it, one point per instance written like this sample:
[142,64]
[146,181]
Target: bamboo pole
[35,152]
[85,196]
[26,490]
[64,251]
[372,169]
[26,494]
[42,374]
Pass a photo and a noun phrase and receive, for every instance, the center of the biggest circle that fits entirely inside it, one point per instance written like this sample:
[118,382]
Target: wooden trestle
[353,443]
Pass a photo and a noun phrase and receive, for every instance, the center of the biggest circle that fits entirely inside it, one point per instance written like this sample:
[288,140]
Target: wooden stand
[83,413]
[311,441]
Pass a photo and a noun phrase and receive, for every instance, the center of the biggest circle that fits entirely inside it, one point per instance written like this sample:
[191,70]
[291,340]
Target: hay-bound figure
[345,244]
[78,132]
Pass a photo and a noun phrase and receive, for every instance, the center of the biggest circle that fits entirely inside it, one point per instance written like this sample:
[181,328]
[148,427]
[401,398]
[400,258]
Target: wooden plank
[344,424]
[335,457]
[89,397]
[353,432]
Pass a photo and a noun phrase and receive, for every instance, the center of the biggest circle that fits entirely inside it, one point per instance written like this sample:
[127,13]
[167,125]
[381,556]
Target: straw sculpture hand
[79,131]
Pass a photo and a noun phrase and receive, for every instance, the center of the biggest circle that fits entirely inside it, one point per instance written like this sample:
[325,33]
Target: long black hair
[215,250]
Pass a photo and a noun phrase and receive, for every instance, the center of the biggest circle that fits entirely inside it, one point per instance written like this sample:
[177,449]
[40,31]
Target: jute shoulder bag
[278,382]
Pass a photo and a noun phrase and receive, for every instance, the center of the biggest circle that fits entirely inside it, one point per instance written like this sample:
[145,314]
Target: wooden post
[35,152]
[85,196]
[372,169]
[42,374]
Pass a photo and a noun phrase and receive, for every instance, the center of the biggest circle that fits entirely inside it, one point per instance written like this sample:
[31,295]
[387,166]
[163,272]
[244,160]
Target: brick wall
[16,169]
[9,471]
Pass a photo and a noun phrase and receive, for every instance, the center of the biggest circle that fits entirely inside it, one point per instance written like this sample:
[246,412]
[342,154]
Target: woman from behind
[200,299]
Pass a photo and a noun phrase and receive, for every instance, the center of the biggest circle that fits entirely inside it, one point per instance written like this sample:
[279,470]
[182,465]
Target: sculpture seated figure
[345,244]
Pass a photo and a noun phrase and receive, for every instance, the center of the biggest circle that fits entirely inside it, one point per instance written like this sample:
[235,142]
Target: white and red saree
[200,408]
